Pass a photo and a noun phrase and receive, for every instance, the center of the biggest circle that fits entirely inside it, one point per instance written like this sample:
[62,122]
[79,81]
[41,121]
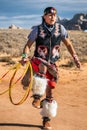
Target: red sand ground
[71,95]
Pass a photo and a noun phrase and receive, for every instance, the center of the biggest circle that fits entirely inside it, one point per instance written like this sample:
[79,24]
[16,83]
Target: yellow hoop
[3,76]
[11,85]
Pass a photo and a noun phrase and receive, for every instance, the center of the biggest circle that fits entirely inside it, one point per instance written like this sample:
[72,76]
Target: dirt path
[71,95]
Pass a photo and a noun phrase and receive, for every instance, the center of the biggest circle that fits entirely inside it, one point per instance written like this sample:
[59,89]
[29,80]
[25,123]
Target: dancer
[47,37]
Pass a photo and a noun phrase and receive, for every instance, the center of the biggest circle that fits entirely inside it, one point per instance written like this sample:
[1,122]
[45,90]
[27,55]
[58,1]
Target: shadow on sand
[21,125]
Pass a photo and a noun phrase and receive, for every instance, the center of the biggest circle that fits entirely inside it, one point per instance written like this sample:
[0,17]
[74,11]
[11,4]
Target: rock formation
[78,22]
[14,27]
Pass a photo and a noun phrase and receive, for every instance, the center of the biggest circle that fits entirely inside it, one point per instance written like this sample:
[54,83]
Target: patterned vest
[48,43]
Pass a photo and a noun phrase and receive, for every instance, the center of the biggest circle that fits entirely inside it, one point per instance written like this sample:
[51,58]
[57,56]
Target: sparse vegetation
[12,43]
[7,59]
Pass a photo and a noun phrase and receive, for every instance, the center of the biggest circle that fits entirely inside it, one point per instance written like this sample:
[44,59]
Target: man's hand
[76,60]
[24,59]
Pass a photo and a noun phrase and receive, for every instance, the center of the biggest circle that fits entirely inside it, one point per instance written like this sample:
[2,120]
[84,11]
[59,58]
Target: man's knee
[42,68]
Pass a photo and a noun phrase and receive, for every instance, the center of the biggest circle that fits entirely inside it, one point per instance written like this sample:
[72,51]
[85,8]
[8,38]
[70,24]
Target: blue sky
[27,13]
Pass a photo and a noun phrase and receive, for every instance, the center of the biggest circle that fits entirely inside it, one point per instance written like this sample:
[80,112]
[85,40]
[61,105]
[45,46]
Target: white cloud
[26,16]
[3,17]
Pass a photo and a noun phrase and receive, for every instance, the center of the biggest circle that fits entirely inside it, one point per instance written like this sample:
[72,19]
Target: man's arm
[72,51]
[26,52]
[69,46]
[31,38]
[27,47]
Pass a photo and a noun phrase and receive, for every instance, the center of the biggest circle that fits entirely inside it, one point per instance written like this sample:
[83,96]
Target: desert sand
[70,93]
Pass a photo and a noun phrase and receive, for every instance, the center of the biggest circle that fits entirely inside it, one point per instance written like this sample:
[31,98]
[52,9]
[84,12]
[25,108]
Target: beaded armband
[24,55]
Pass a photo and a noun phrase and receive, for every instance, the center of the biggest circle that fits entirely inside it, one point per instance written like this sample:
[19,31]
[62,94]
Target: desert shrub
[7,59]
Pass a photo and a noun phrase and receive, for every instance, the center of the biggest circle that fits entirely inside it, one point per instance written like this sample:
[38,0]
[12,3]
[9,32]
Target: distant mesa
[78,22]
[14,27]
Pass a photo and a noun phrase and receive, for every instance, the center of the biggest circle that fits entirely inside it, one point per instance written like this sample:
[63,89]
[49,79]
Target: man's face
[50,18]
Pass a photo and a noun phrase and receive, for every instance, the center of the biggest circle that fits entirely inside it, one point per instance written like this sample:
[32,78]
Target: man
[48,36]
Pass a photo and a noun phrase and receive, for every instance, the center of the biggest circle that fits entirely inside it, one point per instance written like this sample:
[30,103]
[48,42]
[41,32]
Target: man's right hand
[23,61]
